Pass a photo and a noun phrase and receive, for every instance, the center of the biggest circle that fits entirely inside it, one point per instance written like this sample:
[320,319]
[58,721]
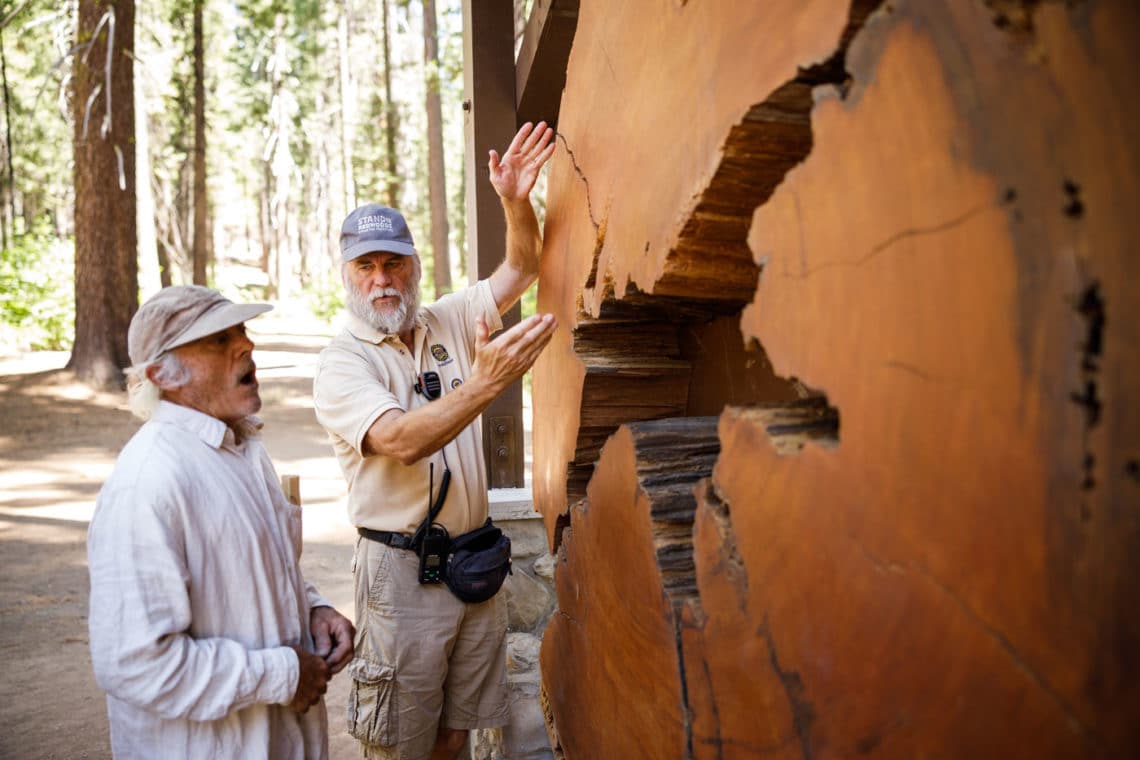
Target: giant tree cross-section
[838,441]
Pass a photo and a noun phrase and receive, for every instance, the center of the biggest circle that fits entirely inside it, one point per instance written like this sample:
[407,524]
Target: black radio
[434,548]
[431,540]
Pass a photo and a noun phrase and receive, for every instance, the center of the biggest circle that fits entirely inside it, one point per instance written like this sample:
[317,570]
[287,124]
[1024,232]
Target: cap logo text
[374,223]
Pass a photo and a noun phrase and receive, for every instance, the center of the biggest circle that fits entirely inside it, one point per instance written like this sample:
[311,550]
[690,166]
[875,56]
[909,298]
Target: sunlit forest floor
[58,442]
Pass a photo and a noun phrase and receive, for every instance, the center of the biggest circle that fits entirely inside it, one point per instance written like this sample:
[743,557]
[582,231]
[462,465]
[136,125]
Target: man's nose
[381,279]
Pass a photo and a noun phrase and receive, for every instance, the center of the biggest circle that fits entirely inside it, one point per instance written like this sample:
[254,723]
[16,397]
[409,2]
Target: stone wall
[530,602]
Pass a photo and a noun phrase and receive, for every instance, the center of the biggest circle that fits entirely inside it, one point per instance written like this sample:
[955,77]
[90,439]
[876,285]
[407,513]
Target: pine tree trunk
[391,125]
[106,267]
[201,249]
[347,107]
[9,210]
[437,181]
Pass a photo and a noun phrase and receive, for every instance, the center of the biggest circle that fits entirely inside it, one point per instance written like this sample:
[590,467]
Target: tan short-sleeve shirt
[364,373]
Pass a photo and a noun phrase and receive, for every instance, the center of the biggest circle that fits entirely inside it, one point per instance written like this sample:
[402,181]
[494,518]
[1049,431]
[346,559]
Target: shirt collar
[211,430]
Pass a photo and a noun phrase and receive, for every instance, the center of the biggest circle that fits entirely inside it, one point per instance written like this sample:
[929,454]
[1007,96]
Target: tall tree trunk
[437,182]
[265,218]
[164,265]
[150,262]
[347,107]
[10,177]
[390,109]
[106,267]
[461,220]
[201,250]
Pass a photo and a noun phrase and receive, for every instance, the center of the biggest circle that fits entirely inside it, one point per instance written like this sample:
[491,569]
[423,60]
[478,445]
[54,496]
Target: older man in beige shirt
[398,391]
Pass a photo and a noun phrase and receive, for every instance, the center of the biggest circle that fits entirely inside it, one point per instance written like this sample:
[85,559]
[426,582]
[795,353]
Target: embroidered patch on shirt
[440,354]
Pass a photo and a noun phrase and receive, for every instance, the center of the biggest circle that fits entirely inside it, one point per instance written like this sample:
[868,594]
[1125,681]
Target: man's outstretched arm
[413,435]
[513,177]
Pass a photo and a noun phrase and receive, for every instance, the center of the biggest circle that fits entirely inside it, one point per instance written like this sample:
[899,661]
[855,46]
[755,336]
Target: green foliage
[289,145]
[325,298]
[37,304]
[35,46]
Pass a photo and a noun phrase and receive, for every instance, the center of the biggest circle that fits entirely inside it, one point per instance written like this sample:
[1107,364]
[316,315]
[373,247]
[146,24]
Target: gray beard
[394,322]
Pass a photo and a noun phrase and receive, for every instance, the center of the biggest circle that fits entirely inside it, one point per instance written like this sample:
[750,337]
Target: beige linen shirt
[196,594]
[364,373]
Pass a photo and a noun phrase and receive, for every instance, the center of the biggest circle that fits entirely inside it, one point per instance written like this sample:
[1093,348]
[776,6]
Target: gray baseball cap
[372,228]
[182,314]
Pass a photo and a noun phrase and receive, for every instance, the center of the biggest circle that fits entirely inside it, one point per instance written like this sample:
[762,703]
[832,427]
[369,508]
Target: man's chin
[388,322]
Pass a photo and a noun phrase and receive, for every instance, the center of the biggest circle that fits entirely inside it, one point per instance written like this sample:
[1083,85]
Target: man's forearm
[410,436]
[523,238]
[520,267]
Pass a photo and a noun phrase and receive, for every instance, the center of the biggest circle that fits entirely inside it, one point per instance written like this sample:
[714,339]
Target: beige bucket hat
[181,314]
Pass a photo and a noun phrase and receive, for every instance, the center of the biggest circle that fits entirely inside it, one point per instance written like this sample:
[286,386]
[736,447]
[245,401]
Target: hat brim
[223,317]
[376,246]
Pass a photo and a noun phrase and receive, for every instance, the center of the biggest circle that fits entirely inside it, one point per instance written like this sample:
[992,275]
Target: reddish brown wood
[967,303]
[106,239]
[626,567]
[651,196]
[934,553]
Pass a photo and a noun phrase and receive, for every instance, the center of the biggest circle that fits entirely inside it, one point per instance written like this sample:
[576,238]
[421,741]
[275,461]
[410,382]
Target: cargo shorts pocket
[372,714]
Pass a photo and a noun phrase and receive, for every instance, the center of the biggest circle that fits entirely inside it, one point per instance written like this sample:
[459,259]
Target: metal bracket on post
[503,451]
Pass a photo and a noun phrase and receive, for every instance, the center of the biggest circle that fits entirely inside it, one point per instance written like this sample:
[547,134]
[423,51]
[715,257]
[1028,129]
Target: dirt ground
[58,442]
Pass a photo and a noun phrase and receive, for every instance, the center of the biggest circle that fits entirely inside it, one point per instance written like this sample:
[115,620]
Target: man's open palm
[514,174]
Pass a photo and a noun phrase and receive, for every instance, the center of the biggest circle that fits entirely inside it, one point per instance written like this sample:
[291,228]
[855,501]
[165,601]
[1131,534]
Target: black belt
[395,540]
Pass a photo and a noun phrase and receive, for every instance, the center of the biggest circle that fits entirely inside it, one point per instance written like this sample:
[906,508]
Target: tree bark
[437,181]
[106,267]
[347,105]
[8,221]
[200,254]
[391,125]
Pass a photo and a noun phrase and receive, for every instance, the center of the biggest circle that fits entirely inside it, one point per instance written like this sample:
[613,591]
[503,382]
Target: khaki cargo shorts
[422,656]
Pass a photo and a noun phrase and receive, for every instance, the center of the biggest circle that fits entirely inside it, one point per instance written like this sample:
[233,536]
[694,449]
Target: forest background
[219,142]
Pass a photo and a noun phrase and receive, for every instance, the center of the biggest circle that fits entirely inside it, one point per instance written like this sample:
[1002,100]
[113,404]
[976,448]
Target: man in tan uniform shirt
[428,667]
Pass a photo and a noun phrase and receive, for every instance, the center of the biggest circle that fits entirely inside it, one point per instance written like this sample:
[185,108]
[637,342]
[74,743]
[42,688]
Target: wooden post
[541,69]
[489,106]
[291,485]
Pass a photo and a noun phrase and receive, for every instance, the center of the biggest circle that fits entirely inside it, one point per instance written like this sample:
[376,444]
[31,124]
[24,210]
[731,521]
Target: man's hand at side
[332,637]
[313,680]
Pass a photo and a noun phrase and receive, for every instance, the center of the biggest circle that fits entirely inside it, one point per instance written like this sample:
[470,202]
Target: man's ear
[152,371]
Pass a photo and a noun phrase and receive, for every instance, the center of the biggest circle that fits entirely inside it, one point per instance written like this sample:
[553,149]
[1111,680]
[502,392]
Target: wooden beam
[540,72]
[489,107]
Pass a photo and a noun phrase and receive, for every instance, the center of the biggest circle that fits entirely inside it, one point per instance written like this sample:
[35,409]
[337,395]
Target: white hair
[142,394]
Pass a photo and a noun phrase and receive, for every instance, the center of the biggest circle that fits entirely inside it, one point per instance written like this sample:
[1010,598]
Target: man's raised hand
[514,174]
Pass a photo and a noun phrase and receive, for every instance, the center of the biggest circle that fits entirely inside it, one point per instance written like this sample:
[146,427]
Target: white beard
[392,322]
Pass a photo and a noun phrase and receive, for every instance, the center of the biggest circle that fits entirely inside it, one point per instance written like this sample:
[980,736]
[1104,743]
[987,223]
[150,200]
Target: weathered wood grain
[702,111]
[625,567]
[969,304]
[935,552]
